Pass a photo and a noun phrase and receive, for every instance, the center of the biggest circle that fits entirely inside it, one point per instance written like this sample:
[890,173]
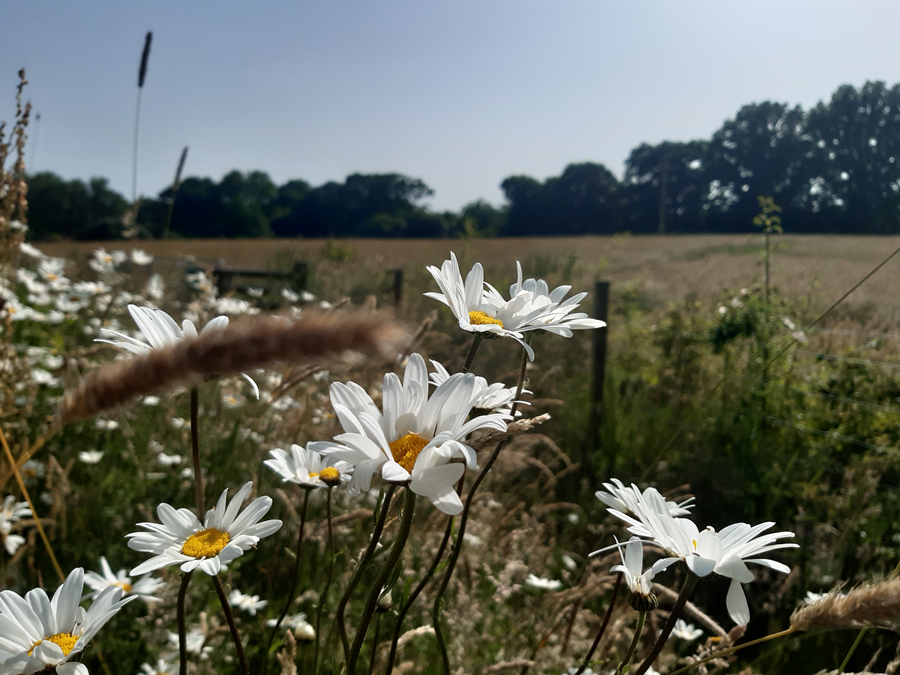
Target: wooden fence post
[398,287]
[598,372]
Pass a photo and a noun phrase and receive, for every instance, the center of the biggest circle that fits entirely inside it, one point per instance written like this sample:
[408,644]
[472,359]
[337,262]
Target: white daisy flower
[248,603]
[90,456]
[160,330]
[467,302]
[104,262]
[30,251]
[140,257]
[291,622]
[686,631]
[305,632]
[308,468]
[169,460]
[182,540]
[705,552]
[155,288]
[414,438]
[150,400]
[106,425]
[179,423]
[194,642]
[39,633]
[11,512]
[162,667]
[542,584]
[255,292]
[495,397]
[289,295]
[232,401]
[638,581]
[142,588]
[622,498]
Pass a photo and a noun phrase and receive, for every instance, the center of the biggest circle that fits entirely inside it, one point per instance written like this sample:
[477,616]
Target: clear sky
[460,94]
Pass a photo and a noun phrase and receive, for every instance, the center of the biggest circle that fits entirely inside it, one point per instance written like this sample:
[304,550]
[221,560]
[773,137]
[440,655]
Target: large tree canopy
[835,168]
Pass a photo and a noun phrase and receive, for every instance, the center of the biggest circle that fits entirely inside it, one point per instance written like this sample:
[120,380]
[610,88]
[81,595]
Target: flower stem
[295,576]
[229,617]
[195,453]
[852,649]
[634,642]
[374,644]
[732,650]
[689,584]
[476,343]
[409,508]
[357,575]
[182,632]
[324,597]
[421,585]
[464,519]
[606,618]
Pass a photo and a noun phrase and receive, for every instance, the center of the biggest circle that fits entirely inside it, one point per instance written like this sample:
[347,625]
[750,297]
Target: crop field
[717,388]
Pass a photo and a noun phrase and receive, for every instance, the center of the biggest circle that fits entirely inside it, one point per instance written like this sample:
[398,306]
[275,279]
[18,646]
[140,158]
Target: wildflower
[248,603]
[169,460]
[414,438]
[155,287]
[467,302]
[40,633]
[224,535]
[290,622]
[255,292]
[106,425]
[103,262]
[289,295]
[11,512]
[620,497]
[639,582]
[162,667]
[305,632]
[150,400]
[308,468]
[543,584]
[686,631]
[194,642]
[30,251]
[140,257]
[179,423]
[160,331]
[487,398]
[142,588]
[232,401]
[90,456]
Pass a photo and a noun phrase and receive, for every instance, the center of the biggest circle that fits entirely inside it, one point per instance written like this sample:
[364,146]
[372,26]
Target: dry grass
[663,268]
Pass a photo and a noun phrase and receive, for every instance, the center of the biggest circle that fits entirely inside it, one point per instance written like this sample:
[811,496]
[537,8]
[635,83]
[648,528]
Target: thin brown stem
[732,650]
[634,642]
[195,453]
[294,579]
[606,618]
[374,643]
[182,631]
[229,617]
[476,343]
[37,520]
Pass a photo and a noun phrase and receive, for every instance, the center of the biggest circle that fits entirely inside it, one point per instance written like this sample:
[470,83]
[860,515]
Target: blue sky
[460,94]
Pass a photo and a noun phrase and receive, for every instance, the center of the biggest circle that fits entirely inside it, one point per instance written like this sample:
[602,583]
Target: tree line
[833,169]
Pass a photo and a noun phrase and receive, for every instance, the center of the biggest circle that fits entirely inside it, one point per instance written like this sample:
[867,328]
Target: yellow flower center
[406,448]
[329,475]
[124,585]
[205,544]
[65,641]
[481,319]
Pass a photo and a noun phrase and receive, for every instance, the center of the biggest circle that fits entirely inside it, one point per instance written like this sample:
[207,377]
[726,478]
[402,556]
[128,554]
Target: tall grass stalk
[603,625]
[142,74]
[182,629]
[409,509]
[438,607]
[175,185]
[323,598]
[295,577]
[732,650]
[199,492]
[37,520]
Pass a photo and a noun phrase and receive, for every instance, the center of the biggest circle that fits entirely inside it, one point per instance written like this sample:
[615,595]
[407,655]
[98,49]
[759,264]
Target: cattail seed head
[145,57]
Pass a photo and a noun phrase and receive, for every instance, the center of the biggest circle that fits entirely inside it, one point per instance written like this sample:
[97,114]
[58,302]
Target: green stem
[195,453]
[374,644]
[324,597]
[409,508]
[182,632]
[229,617]
[634,643]
[606,618]
[357,575]
[295,578]
[464,519]
[476,343]
[398,627]
[852,649]
[674,615]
